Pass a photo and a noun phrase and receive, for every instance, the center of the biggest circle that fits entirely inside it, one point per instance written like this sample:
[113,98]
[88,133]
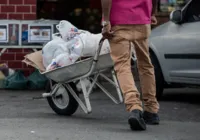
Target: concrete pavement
[22,118]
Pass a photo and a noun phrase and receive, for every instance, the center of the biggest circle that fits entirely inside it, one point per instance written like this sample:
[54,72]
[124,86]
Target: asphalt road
[22,118]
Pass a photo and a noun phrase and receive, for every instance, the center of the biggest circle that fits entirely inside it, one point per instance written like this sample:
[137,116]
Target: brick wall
[19,10]
[13,58]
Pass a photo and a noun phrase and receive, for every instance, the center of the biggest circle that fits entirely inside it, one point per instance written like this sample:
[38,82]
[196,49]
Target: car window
[192,12]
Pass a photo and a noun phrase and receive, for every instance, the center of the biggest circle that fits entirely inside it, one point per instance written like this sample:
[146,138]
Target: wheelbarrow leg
[107,93]
[117,86]
[77,99]
[115,83]
[86,96]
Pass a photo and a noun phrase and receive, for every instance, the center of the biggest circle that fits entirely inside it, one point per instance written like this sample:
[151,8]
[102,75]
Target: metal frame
[86,106]
[86,92]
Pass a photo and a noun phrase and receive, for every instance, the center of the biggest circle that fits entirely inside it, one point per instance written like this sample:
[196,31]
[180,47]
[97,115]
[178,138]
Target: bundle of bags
[70,45]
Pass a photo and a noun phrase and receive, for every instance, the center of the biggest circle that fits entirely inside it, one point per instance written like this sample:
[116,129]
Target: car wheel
[158,76]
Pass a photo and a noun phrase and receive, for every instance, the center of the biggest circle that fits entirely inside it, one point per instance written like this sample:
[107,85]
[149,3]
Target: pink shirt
[131,12]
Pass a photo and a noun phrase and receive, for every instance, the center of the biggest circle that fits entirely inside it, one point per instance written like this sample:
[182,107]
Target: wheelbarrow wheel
[62,103]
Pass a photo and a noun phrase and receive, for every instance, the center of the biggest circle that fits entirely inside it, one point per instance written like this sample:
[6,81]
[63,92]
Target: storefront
[85,14]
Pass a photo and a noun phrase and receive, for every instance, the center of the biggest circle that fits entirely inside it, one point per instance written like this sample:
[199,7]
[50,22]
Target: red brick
[3,16]
[26,66]
[14,64]
[8,56]
[33,9]
[23,9]
[29,16]
[15,1]
[27,50]
[15,50]
[7,8]
[30,2]
[20,56]
[3,1]
[15,16]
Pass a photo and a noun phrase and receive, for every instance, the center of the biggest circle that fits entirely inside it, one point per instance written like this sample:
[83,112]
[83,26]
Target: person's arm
[154,10]
[154,6]
[106,6]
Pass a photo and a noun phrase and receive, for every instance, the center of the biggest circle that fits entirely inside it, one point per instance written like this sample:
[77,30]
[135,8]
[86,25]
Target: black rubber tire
[72,106]
[158,76]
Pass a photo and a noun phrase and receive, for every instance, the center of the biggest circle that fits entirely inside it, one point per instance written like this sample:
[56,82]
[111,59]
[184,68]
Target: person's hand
[106,31]
[153,20]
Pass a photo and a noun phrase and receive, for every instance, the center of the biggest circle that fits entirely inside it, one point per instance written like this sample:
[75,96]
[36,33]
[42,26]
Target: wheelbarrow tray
[78,69]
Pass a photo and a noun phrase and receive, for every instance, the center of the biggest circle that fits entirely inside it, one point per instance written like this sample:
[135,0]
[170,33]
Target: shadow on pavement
[185,95]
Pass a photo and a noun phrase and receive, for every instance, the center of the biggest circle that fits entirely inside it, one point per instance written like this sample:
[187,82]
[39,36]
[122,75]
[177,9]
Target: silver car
[175,49]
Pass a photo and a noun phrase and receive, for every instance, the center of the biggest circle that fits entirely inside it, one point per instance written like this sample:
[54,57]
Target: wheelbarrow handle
[99,49]
[95,59]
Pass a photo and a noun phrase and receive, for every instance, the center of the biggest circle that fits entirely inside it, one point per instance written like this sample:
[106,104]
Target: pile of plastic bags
[18,81]
[69,45]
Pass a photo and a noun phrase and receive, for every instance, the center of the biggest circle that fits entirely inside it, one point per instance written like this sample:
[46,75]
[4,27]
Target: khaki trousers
[121,55]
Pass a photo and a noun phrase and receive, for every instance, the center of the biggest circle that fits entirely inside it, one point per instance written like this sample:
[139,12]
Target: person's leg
[121,55]
[146,74]
[147,77]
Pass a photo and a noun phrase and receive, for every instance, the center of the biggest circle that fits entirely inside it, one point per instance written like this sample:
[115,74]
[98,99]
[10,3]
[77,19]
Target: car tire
[158,76]
[71,106]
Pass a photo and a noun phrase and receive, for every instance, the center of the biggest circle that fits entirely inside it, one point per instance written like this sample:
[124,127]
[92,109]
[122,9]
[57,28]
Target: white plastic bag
[76,46]
[105,48]
[61,60]
[90,41]
[67,30]
[59,53]
[91,44]
[52,49]
[11,72]
[86,82]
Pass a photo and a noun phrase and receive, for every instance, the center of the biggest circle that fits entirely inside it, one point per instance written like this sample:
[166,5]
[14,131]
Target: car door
[183,53]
